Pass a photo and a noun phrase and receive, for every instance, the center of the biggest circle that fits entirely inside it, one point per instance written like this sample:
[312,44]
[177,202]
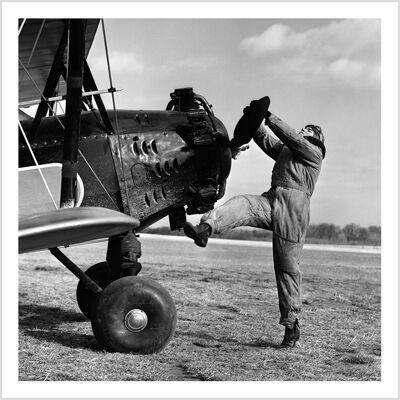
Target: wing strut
[125,203]
[56,71]
[90,284]
[90,85]
[76,51]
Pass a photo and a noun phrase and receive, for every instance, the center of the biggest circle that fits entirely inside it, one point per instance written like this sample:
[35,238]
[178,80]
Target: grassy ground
[227,326]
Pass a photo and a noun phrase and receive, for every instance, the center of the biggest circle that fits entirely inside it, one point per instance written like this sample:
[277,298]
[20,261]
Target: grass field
[227,327]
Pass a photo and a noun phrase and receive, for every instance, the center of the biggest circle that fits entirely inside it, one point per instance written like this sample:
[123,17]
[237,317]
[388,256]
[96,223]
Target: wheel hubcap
[136,320]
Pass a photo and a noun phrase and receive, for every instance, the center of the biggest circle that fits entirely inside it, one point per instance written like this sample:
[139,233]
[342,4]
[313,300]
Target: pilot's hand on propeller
[237,150]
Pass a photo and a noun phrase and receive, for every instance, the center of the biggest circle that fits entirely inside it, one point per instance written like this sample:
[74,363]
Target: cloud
[120,62]
[346,51]
[277,38]
[129,62]
[192,64]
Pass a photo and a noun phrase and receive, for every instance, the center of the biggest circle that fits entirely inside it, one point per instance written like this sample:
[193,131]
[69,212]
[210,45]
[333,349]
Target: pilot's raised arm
[297,143]
[268,144]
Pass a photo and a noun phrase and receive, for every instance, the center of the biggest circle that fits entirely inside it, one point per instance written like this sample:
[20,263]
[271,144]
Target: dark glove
[251,119]
[236,150]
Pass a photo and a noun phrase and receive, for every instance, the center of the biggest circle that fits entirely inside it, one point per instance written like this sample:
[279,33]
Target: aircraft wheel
[101,274]
[134,315]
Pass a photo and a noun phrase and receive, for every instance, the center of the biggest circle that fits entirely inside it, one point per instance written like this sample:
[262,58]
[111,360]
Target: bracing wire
[115,115]
[55,107]
[37,165]
[33,81]
[98,179]
[63,127]
[33,50]
[60,105]
[21,27]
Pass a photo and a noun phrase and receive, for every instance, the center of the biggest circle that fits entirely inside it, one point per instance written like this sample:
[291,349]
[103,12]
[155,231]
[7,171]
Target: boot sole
[191,232]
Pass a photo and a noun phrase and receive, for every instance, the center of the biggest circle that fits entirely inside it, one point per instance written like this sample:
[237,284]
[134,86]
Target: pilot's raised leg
[243,210]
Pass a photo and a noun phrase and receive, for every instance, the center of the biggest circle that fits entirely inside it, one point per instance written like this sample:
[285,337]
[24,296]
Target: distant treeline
[317,233]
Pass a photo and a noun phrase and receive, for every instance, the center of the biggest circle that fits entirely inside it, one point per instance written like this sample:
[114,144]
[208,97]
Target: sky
[320,71]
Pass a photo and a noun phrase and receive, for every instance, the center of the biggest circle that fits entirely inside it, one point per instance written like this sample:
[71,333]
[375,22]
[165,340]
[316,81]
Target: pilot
[284,209]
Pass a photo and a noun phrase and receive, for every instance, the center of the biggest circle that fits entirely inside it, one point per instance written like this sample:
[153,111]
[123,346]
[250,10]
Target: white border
[388,386]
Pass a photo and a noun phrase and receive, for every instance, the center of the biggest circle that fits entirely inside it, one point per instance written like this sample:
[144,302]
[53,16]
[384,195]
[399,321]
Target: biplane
[88,173]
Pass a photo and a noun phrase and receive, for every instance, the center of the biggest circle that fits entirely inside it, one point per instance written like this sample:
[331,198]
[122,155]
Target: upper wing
[39,40]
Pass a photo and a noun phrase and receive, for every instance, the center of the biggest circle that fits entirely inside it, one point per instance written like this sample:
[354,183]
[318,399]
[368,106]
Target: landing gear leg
[132,314]
[123,253]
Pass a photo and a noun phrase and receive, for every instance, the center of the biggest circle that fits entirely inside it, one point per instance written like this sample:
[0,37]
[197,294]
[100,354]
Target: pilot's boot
[199,233]
[291,335]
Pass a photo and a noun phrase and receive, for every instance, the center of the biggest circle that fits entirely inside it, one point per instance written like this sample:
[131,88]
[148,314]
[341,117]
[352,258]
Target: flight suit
[284,209]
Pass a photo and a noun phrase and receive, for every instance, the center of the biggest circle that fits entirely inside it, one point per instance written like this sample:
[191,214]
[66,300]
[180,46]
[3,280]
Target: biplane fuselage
[158,164]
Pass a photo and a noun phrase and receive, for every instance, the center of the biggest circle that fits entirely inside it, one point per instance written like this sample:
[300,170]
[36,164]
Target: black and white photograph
[203,194]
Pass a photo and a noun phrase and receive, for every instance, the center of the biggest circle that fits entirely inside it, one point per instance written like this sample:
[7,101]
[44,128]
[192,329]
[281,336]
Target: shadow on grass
[43,323]
[208,341]
[264,343]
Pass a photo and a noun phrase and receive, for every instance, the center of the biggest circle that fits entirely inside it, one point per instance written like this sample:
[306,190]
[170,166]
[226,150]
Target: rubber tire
[117,300]
[102,275]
